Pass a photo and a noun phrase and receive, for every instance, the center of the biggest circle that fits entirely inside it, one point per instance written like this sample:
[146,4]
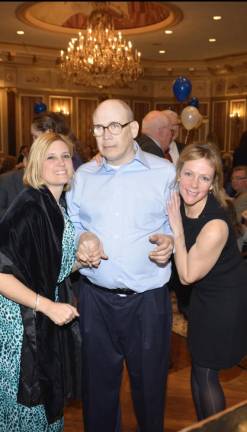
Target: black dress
[217,331]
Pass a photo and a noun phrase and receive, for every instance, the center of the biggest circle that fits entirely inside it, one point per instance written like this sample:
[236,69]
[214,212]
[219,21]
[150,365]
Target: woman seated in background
[207,257]
[23,154]
[227,164]
[36,254]
[244,223]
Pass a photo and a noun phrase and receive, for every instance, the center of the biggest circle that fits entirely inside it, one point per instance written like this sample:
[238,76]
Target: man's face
[35,133]
[239,180]
[165,137]
[117,149]
[174,122]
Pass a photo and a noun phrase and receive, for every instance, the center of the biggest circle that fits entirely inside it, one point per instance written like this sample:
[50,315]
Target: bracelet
[36,304]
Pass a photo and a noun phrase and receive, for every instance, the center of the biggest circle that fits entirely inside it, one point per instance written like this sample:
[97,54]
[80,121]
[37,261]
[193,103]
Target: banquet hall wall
[222,102]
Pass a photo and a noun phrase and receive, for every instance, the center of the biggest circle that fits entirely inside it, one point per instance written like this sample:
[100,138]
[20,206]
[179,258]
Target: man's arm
[89,247]
[3,195]
[164,241]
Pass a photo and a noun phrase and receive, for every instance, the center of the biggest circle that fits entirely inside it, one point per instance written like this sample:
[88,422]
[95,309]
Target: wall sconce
[235,115]
[62,109]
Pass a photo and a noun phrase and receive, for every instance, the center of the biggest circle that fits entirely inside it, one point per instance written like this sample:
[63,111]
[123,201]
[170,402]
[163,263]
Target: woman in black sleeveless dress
[207,257]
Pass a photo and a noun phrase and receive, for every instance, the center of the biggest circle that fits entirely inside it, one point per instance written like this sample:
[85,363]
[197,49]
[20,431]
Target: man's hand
[164,248]
[90,250]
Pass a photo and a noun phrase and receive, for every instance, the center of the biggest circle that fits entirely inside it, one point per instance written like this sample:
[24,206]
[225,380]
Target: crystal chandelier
[101,58]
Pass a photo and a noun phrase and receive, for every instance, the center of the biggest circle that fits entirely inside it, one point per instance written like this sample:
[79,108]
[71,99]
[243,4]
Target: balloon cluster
[39,107]
[190,116]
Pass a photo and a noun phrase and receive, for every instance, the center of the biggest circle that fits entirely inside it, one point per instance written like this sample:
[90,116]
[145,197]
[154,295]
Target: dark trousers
[137,329]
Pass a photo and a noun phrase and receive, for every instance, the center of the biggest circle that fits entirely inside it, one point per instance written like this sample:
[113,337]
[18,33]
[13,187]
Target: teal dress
[13,416]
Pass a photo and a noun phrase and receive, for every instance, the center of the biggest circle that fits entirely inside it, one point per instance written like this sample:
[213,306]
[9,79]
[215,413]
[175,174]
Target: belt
[125,291]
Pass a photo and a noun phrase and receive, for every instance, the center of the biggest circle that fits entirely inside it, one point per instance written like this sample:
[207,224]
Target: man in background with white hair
[160,129]
[156,133]
[174,147]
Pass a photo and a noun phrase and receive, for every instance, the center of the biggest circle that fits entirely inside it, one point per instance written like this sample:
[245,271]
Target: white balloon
[198,124]
[190,117]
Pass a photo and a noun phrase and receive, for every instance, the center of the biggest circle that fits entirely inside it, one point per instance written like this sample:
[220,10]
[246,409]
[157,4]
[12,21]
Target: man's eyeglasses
[114,128]
[239,178]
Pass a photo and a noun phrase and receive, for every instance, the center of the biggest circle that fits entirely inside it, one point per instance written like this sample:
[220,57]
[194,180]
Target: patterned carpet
[179,324]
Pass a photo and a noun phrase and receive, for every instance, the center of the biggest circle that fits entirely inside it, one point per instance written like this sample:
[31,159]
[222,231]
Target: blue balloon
[39,107]
[182,88]
[194,101]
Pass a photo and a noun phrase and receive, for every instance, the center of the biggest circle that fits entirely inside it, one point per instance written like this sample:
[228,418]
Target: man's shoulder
[157,163]
[242,197]
[11,175]
[147,144]
[143,139]
[88,167]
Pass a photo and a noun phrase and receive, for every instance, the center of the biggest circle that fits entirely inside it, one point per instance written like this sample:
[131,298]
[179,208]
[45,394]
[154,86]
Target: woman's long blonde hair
[212,154]
[33,171]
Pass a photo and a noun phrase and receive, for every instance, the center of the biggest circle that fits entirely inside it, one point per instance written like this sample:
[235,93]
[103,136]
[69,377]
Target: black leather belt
[125,291]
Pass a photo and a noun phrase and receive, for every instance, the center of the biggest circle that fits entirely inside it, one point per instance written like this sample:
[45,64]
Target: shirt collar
[139,157]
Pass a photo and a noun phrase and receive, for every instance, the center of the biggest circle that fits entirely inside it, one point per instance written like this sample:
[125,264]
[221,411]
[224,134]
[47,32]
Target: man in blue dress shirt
[119,212]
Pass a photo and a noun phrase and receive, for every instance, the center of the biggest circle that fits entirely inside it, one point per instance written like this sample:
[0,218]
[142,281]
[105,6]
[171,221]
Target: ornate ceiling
[48,27]
[129,17]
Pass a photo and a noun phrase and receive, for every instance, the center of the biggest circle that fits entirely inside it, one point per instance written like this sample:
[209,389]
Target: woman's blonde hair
[211,153]
[33,171]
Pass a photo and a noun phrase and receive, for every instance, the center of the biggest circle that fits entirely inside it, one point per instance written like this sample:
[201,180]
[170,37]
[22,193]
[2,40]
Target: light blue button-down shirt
[123,208]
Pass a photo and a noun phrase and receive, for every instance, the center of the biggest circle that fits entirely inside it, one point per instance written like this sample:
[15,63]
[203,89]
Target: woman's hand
[98,158]
[173,209]
[59,313]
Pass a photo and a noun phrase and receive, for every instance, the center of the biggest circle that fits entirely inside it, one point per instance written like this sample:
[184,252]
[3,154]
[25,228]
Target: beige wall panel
[85,110]
[237,115]
[26,116]
[220,123]
[140,109]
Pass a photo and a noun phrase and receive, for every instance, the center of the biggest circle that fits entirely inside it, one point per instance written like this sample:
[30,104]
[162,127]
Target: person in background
[227,165]
[244,222]
[239,185]
[123,234]
[240,152]
[37,253]
[56,122]
[8,163]
[156,134]
[11,183]
[207,257]
[23,154]
[175,147]
[159,131]
[174,150]
[238,227]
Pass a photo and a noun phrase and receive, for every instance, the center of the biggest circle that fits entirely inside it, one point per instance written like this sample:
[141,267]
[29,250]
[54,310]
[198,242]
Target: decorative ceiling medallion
[130,17]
